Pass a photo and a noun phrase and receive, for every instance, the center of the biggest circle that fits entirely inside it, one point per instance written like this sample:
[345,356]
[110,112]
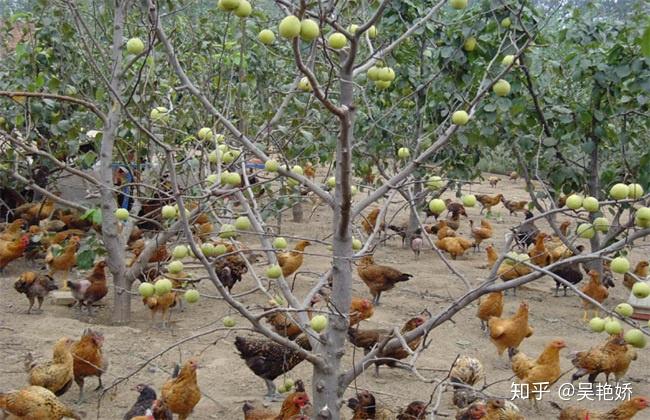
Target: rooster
[35,285]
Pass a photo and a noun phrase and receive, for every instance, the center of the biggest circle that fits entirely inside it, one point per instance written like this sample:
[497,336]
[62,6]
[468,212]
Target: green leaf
[85,259]
[645,42]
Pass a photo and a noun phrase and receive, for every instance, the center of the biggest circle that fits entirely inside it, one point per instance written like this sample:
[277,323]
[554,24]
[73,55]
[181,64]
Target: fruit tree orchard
[383,94]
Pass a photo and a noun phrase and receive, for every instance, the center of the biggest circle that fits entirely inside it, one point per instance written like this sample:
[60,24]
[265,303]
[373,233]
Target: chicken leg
[272,393]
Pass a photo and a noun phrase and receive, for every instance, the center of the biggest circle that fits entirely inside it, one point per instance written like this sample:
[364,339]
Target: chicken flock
[42,232]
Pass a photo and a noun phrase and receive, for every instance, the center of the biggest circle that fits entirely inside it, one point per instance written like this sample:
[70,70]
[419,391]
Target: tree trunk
[296,211]
[111,238]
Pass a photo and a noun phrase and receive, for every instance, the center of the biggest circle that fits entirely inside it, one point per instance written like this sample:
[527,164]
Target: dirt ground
[227,383]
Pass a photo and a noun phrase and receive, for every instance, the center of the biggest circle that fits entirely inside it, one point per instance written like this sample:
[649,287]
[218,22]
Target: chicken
[399,231]
[203,230]
[416,410]
[480,233]
[379,278]
[455,208]
[291,261]
[64,261]
[492,256]
[309,170]
[455,247]
[569,272]
[612,357]
[444,231]
[625,411]
[230,270]
[162,304]
[34,212]
[292,407]
[57,374]
[641,271]
[89,359]
[91,289]
[268,359]
[360,309]
[417,243]
[489,306]
[510,332]
[13,250]
[161,254]
[453,221]
[283,323]
[367,339]
[513,176]
[539,373]
[146,397]
[12,231]
[595,290]
[488,201]
[498,409]
[35,403]
[466,370]
[494,180]
[515,206]
[365,406]
[35,285]
[368,223]
[181,393]
[72,219]
[527,232]
[476,411]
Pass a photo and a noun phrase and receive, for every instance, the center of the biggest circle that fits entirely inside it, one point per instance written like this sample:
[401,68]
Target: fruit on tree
[279,243]
[175,267]
[318,323]
[624,309]
[208,249]
[574,201]
[273,272]
[641,290]
[168,212]
[613,327]
[469,200]
[122,214]
[304,85]
[597,324]
[459,117]
[228,5]
[643,213]
[435,182]
[227,231]
[506,22]
[508,60]
[179,252]
[331,182]
[271,165]
[620,265]
[590,204]
[146,289]
[163,286]
[289,27]
[601,224]
[437,206]
[501,88]
[382,84]
[214,156]
[191,296]
[266,36]
[585,230]
[403,153]
[220,249]
[458,4]
[228,158]
[159,114]
[636,338]
[309,30]
[337,41]
[373,73]
[372,32]
[386,74]
[619,191]
[356,244]
[205,133]
[244,9]
[212,179]
[231,178]
[243,223]
[470,44]
[635,191]
[135,46]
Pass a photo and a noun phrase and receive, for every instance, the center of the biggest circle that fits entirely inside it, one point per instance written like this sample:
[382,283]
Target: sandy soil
[226,382]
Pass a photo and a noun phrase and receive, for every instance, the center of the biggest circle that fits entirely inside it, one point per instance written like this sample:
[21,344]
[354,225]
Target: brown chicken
[268,359]
[291,261]
[538,373]
[64,261]
[57,374]
[494,180]
[292,407]
[283,323]
[309,170]
[455,247]
[492,256]
[475,411]
[203,231]
[444,231]
[13,231]
[379,278]
[595,290]
[161,254]
[612,357]
[34,212]
[510,332]
[466,370]
[230,269]
[35,285]
[641,271]
[515,206]
[91,289]
[364,406]
[13,250]
[453,220]
[490,305]
[181,393]
[89,359]
[162,304]
[360,309]
[624,411]
[480,233]
[455,208]
[498,409]
[72,219]
[35,403]
[488,201]
[513,176]
[538,253]
[416,410]
[367,339]
[368,223]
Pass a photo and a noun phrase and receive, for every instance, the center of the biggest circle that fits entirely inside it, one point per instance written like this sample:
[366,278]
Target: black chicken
[526,234]
[569,272]
[268,359]
[143,403]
